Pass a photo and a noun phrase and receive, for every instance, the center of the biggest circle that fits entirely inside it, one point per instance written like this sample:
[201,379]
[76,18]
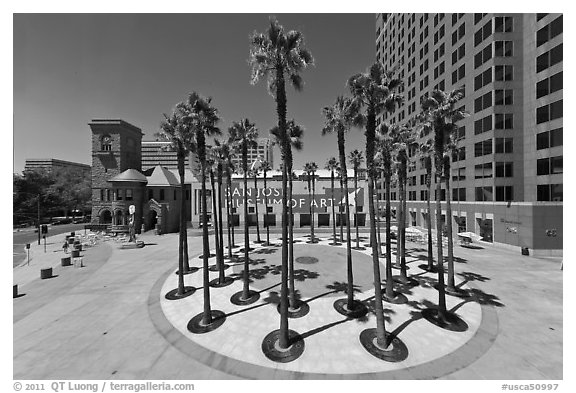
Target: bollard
[71,240]
[15,291]
[65,261]
[78,247]
[45,273]
[75,253]
[79,262]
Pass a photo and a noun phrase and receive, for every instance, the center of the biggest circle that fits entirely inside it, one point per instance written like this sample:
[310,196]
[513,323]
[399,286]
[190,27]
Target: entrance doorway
[152,219]
[105,217]
[485,227]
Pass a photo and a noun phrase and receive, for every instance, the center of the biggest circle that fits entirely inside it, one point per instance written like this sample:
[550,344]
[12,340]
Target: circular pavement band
[460,358]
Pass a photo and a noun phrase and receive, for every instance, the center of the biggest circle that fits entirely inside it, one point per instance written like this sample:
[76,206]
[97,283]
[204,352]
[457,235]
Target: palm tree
[310,169]
[276,55]
[341,177]
[295,134]
[332,165]
[426,150]
[202,118]
[229,169]
[211,165]
[244,134]
[174,130]
[439,115]
[375,91]
[339,118]
[219,155]
[265,166]
[355,158]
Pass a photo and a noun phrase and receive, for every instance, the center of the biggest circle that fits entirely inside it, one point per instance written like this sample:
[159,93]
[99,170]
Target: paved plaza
[111,319]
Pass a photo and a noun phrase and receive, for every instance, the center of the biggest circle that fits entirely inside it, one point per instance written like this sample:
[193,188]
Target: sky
[71,68]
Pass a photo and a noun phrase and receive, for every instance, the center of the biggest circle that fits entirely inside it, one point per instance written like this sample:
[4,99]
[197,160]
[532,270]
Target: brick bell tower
[116,147]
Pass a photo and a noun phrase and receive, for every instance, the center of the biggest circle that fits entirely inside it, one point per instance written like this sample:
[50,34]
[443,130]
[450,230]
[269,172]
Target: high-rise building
[157,153]
[262,152]
[506,170]
[51,164]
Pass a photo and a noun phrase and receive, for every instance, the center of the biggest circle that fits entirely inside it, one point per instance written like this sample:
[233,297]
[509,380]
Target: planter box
[78,247]
[65,261]
[45,273]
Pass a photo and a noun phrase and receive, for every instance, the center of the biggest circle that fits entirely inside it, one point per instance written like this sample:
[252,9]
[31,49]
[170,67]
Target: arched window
[105,217]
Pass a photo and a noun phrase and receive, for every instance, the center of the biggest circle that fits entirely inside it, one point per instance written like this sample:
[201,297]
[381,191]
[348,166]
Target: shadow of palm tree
[266,251]
[303,274]
[371,306]
[480,297]
[470,276]
[425,281]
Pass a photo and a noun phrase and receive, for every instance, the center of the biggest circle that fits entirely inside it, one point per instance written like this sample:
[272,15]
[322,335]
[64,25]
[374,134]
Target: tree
[229,169]
[265,169]
[295,134]
[355,158]
[310,169]
[332,165]
[426,150]
[201,117]
[243,135]
[176,130]
[375,91]
[339,117]
[439,115]
[276,55]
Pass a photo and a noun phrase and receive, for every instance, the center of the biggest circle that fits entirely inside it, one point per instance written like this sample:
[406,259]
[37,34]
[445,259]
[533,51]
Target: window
[503,121]
[459,154]
[503,49]
[128,194]
[548,59]
[549,112]
[547,139]
[107,194]
[503,24]
[483,79]
[478,17]
[458,74]
[483,56]
[438,71]
[483,194]
[549,166]
[549,31]
[106,143]
[503,73]
[459,194]
[175,195]
[549,85]
[150,194]
[118,194]
[483,125]
[101,194]
[483,102]
[483,148]
[503,97]
[504,193]
[504,169]
[503,145]
[461,133]
[458,174]
[483,33]
[549,192]
[438,53]
[161,194]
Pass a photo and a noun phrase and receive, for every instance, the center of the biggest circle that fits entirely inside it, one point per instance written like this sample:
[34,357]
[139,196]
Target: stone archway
[152,219]
[105,217]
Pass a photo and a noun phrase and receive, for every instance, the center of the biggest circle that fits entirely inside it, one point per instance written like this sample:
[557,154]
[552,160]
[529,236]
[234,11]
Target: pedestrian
[65,247]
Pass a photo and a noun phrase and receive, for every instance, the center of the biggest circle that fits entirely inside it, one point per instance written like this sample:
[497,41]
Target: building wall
[50,164]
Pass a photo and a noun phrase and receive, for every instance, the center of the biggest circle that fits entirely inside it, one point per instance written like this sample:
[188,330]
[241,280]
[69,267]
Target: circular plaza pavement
[332,342]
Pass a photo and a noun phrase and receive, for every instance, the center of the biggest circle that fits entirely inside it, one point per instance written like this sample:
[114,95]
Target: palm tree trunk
[231,223]
[379,309]
[334,240]
[266,222]
[403,272]
[379,240]
[207,316]
[450,283]
[246,288]
[356,207]
[220,226]
[389,282]
[182,223]
[310,207]
[219,262]
[256,208]
[291,281]
[401,223]
[312,202]
[429,220]
[281,112]
[440,263]
[344,179]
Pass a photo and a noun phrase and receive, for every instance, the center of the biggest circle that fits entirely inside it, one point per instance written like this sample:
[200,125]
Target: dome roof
[129,175]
